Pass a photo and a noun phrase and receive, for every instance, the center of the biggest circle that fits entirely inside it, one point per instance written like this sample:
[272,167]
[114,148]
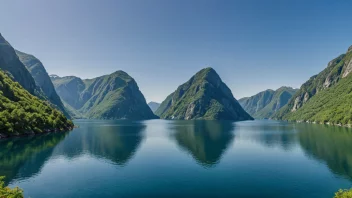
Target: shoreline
[321,123]
[4,136]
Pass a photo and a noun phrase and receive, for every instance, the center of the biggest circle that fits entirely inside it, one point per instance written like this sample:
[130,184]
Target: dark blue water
[161,158]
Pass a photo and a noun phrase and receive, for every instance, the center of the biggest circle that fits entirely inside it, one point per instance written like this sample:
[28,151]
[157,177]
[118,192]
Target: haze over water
[159,158]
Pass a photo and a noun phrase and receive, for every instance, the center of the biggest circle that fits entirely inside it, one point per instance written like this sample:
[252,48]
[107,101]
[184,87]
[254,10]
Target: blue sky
[253,45]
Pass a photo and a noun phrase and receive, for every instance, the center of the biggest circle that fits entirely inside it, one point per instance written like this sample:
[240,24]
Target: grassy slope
[332,104]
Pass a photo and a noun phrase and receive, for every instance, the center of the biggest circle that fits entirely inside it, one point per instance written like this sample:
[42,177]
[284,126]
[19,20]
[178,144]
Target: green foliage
[42,79]
[21,112]
[114,96]
[343,193]
[333,105]
[204,96]
[6,192]
[325,98]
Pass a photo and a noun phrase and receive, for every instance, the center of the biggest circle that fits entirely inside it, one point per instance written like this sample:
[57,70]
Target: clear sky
[253,45]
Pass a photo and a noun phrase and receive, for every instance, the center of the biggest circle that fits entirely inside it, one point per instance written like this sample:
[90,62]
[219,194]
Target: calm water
[181,159]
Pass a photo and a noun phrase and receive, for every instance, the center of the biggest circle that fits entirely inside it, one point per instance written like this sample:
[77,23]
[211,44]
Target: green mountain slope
[21,112]
[41,78]
[204,96]
[10,64]
[257,102]
[114,96]
[325,97]
[264,104]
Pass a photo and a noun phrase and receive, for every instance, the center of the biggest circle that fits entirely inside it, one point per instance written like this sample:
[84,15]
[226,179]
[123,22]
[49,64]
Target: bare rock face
[327,82]
[296,104]
[306,97]
[348,68]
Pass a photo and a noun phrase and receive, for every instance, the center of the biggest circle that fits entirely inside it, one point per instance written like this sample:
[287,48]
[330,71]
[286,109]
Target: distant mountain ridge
[325,97]
[153,106]
[264,104]
[204,96]
[113,96]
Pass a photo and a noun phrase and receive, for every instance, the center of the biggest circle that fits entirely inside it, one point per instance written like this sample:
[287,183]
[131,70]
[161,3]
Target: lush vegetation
[6,192]
[333,105]
[42,79]
[324,97]
[114,96]
[204,96]
[265,104]
[324,101]
[343,194]
[21,112]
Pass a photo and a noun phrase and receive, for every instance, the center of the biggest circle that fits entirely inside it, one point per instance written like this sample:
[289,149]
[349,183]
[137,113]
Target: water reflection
[333,145]
[269,133]
[24,157]
[116,141]
[206,141]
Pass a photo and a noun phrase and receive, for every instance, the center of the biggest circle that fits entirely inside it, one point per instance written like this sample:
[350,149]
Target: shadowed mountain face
[264,104]
[112,140]
[11,64]
[114,96]
[206,141]
[41,78]
[204,97]
[25,157]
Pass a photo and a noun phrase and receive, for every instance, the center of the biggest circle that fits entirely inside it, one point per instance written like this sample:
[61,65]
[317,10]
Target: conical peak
[208,74]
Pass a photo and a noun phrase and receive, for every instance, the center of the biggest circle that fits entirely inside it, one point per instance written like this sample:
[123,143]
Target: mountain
[204,96]
[325,97]
[114,96]
[257,102]
[11,65]
[264,104]
[153,106]
[21,112]
[41,78]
